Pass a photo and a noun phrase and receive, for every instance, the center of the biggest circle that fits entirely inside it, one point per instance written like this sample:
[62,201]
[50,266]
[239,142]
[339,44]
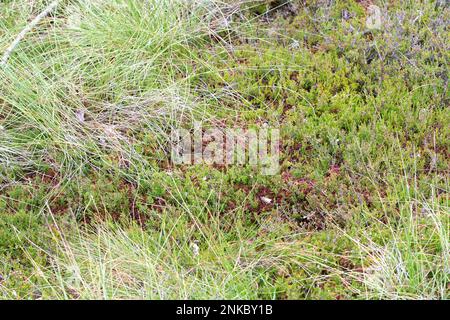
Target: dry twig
[27,29]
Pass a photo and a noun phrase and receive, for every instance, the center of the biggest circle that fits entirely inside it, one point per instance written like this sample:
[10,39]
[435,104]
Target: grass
[92,208]
[410,260]
[115,263]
